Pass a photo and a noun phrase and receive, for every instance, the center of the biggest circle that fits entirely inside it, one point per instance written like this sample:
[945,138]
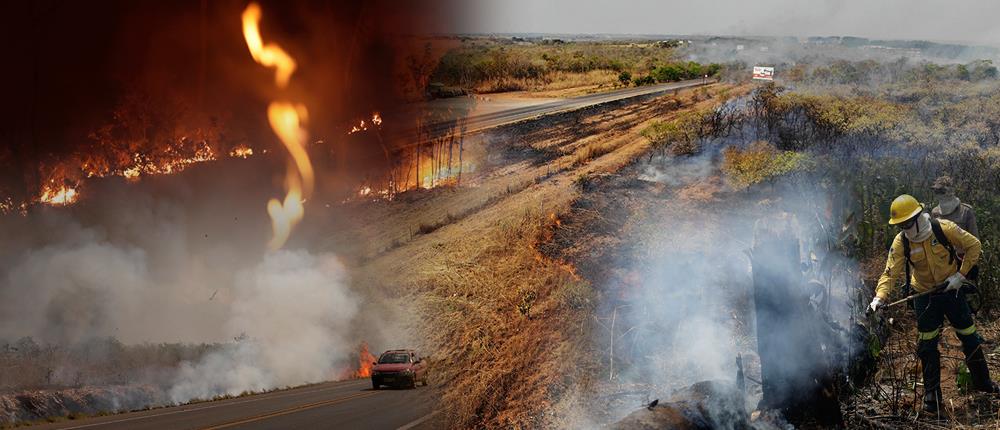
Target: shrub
[758,162]
[645,80]
[625,78]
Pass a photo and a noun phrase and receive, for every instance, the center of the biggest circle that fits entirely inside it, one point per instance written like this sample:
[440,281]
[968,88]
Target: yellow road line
[292,410]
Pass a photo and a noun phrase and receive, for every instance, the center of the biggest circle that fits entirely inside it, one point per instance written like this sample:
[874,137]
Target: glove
[876,304]
[954,281]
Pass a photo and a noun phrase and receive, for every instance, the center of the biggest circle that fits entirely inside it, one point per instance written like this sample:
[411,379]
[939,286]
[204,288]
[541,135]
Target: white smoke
[182,264]
[295,311]
[690,309]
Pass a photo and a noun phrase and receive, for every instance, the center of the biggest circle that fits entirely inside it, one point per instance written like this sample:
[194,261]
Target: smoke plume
[185,263]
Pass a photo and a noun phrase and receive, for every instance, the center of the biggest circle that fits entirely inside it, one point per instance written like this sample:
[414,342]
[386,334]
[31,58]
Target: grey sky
[956,20]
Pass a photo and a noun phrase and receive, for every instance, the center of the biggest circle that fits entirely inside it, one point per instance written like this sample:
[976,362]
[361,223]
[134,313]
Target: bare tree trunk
[451,151]
[461,148]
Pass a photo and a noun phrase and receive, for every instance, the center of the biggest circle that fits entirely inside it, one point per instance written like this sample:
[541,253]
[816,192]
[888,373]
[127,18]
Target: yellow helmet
[903,208]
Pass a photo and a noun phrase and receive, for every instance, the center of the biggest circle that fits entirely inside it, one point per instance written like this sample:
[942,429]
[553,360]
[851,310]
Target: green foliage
[625,78]
[843,72]
[758,162]
[645,80]
[681,134]
[668,73]
[497,61]
[680,71]
[481,60]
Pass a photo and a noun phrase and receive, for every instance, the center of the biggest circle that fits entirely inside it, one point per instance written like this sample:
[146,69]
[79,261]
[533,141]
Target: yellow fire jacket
[930,260]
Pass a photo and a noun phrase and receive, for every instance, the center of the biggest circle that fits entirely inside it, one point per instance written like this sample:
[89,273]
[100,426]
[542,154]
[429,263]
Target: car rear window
[396,357]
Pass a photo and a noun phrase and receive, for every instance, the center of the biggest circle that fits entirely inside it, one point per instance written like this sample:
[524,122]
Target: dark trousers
[931,311]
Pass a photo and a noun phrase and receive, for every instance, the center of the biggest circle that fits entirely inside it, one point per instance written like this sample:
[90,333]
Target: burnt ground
[611,237]
[606,236]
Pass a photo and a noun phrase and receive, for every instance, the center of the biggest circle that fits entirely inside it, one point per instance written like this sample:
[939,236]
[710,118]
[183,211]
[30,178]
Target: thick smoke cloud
[297,314]
[184,264]
[692,308]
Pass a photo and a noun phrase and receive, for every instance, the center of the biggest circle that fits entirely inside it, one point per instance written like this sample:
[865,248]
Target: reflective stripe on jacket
[930,260]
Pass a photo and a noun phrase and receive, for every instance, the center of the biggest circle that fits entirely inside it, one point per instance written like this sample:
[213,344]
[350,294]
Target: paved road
[333,405]
[482,122]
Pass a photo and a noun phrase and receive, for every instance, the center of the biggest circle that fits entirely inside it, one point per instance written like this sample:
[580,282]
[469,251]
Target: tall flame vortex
[287,120]
[270,55]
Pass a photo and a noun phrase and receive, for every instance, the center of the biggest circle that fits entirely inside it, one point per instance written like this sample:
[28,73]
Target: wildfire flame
[58,195]
[64,180]
[365,360]
[287,120]
[270,55]
[241,151]
[363,125]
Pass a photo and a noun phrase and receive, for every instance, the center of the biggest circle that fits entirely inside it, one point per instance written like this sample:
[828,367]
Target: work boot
[932,400]
[930,361]
[980,372]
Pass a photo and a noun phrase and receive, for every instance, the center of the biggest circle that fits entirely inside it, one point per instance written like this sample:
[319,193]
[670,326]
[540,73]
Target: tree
[668,73]
[625,78]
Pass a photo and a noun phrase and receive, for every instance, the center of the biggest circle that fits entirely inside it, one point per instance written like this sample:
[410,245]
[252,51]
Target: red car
[399,367]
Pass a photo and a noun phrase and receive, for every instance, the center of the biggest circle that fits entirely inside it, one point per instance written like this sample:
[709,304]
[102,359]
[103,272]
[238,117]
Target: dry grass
[513,323]
[506,326]
[28,365]
[571,84]
[592,151]
[554,84]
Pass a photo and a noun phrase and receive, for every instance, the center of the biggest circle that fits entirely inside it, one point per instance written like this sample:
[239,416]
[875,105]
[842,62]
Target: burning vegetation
[153,156]
[608,256]
[198,100]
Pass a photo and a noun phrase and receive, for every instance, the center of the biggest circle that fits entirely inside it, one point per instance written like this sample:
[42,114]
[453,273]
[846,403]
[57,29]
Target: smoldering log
[797,375]
[706,405]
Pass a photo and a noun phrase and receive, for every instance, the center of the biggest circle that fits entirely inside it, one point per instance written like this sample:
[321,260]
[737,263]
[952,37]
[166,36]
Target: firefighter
[925,249]
[951,208]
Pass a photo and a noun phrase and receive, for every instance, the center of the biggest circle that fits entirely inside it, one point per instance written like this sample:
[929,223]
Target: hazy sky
[954,20]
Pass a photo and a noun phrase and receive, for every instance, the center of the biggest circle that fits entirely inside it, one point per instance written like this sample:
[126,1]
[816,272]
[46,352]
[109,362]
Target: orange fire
[58,195]
[64,180]
[376,120]
[241,151]
[270,55]
[365,360]
[287,120]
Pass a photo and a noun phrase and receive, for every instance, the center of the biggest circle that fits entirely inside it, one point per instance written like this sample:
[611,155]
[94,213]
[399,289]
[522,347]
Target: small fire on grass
[241,151]
[363,125]
[365,360]
[66,179]
[364,364]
